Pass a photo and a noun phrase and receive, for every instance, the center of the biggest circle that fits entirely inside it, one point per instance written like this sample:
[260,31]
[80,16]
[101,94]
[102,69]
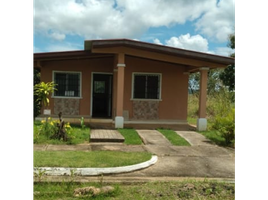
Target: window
[99,87]
[146,86]
[68,84]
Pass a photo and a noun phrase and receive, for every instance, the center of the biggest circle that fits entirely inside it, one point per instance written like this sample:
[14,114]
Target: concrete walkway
[202,159]
[153,137]
[194,138]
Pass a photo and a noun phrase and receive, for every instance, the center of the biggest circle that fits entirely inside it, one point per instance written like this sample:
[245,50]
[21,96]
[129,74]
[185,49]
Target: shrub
[42,91]
[217,104]
[82,122]
[193,101]
[50,127]
[226,126]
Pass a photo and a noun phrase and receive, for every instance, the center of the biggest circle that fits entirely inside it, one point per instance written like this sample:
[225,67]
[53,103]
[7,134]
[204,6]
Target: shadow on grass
[215,137]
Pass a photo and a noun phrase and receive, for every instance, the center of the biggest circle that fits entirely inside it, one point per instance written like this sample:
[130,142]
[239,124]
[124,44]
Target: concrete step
[103,135]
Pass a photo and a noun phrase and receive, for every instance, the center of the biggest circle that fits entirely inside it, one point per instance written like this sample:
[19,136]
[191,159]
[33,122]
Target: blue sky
[63,25]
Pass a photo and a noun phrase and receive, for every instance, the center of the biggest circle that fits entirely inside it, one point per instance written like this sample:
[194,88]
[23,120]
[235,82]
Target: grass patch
[211,134]
[173,137]
[88,159]
[203,190]
[79,135]
[131,136]
[64,190]
[214,136]
[192,120]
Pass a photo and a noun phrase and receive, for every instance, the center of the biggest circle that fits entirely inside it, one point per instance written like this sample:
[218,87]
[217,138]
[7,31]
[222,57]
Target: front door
[102,95]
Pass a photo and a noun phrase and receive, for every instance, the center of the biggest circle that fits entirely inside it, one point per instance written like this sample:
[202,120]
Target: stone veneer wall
[145,110]
[66,106]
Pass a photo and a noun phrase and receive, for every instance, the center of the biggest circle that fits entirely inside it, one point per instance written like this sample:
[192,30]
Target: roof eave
[94,44]
[79,54]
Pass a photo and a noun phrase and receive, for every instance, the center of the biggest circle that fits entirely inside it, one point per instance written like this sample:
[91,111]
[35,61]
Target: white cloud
[219,21]
[155,13]
[88,18]
[56,47]
[57,36]
[224,51]
[128,19]
[195,42]
[157,41]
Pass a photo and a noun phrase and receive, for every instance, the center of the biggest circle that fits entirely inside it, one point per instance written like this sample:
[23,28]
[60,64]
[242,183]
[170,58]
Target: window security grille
[146,86]
[68,84]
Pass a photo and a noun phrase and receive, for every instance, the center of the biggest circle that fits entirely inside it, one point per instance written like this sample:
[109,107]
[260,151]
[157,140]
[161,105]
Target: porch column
[119,119]
[202,121]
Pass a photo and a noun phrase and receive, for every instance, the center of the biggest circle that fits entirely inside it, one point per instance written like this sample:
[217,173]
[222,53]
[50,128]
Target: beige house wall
[174,88]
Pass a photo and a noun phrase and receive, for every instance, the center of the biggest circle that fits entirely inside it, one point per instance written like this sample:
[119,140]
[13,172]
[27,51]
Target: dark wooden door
[102,95]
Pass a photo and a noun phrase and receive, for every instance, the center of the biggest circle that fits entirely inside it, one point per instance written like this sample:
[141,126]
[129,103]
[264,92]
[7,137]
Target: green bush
[193,104]
[226,126]
[49,127]
[217,104]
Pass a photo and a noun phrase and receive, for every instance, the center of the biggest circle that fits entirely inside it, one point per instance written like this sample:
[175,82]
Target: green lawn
[82,135]
[214,136]
[131,136]
[173,137]
[188,189]
[79,135]
[88,159]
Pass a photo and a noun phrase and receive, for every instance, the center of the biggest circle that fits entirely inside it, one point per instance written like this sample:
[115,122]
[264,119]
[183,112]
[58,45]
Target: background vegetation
[220,102]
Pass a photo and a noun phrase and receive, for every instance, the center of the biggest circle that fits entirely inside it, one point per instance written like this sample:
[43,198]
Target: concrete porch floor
[100,123]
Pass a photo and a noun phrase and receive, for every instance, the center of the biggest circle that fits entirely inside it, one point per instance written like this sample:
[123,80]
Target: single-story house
[126,81]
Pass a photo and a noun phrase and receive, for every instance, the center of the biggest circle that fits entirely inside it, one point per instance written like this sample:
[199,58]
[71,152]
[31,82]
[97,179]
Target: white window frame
[146,73]
[70,72]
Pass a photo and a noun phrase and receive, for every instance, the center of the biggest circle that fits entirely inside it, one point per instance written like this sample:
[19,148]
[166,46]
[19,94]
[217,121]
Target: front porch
[100,123]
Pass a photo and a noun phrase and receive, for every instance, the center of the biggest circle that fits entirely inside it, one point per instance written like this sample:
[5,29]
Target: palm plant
[42,91]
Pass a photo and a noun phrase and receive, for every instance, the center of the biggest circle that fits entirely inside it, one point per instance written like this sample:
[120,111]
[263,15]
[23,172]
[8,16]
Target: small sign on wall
[47,112]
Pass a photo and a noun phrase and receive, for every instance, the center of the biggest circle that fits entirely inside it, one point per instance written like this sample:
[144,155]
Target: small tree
[42,91]
[228,75]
